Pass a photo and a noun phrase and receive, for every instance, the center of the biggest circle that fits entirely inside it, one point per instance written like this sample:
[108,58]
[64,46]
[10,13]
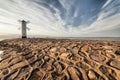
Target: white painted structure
[24,28]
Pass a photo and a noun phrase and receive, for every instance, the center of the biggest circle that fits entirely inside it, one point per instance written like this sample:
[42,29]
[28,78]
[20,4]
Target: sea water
[97,38]
[82,38]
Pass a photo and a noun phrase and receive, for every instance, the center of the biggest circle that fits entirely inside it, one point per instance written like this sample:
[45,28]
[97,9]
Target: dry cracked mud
[54,59]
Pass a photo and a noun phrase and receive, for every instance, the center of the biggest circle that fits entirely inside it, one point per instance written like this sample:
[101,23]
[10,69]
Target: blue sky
[61,18]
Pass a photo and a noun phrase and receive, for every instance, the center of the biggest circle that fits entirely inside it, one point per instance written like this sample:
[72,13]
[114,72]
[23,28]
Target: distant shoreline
[74,38]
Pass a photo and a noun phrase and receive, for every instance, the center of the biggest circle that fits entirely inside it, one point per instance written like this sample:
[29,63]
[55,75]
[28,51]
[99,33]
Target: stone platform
[55,59]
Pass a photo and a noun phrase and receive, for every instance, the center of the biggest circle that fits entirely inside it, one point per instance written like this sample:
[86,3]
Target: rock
[54,49]
[85,48]
[52,55]
[107,47]
[97,57]
[54,59]
[117,52]
[5,71]
[1,52]
[46,58]
[73,73]
[91,75]
[62,50]
[19,65]
[110,55]
[108,51]
[115,64]
[64,55]
[75,50]
[49,67]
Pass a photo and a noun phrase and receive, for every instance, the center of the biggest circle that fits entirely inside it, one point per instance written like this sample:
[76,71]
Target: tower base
[24,37]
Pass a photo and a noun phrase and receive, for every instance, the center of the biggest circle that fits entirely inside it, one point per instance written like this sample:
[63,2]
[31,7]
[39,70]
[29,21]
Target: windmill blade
[19,28]
[28,21]
[19,21]
[28,28]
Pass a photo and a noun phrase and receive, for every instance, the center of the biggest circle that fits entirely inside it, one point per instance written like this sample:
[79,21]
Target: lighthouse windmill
[24,28]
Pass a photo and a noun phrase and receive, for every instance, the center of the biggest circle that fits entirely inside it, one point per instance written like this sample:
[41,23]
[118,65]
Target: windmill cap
[23,21]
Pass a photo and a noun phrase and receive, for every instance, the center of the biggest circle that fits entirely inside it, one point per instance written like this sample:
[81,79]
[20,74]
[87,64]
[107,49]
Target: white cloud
[43,21]
[39,18]
[67,3]
[107,3]
[105,24]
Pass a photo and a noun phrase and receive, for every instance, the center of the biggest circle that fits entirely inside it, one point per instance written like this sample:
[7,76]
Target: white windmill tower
[24,28]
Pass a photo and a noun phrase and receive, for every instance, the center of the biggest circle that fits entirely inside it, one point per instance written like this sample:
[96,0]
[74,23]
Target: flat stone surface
[57,59]
[97,57]
[91,75]
[115,64]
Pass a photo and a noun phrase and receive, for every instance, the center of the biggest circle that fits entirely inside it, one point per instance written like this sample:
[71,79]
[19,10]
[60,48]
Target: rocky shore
[55,59]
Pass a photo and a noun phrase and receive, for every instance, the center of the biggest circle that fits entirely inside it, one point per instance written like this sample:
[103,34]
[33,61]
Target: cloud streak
[72,18]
